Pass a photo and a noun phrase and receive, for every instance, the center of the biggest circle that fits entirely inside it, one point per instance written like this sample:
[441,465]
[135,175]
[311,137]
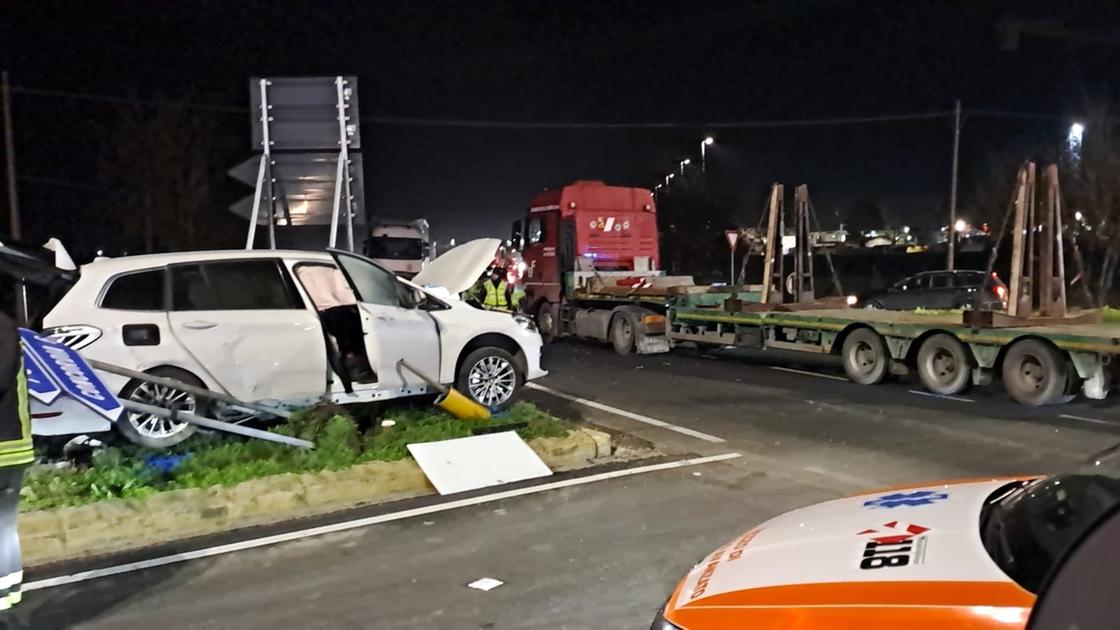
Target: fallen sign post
[175,415]
[190,389]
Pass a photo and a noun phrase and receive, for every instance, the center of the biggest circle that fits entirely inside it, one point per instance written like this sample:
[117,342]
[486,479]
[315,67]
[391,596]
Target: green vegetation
[1110,315]
[209,460]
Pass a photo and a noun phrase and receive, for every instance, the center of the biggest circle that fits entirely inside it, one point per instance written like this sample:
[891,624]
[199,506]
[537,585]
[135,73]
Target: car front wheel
[152,431]
[491,376]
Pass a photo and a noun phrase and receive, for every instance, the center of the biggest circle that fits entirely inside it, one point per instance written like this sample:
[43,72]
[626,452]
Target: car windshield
[1028,526]
[396,248]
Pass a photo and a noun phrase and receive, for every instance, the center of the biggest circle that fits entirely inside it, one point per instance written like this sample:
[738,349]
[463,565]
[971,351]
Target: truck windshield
[1028,526]
[394,247]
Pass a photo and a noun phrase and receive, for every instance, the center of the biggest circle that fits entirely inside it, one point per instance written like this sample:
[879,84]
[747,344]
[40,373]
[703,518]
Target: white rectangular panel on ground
[477,462]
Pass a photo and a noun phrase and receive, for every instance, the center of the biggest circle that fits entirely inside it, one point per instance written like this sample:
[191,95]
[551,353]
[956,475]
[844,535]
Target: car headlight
[525,322]
[660,623]
[852,300]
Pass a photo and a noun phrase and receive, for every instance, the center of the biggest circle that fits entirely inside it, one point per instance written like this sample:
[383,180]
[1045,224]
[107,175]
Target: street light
[668,177]
[704,153]
[684,163]
[1073,142]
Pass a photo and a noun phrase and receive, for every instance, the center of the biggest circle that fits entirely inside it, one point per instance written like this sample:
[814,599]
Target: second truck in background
[401,246]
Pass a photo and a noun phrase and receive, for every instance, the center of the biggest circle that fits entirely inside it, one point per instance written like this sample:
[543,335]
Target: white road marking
[942,396]
[364,522]
[806,373]
[700,435]
[1091,420]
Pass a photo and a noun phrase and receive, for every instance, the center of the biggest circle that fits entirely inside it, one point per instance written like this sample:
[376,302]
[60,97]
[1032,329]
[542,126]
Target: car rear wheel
[865,357]
[491,376]
[152,431]
[1035,373]
[943,365]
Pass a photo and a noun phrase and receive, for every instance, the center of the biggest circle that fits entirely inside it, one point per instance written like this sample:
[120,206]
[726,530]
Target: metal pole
[10,158]
[264,169]
[175,415]
[953,186]
[343,175]
[732,283]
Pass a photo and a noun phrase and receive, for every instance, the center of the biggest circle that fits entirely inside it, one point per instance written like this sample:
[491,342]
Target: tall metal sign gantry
[309,172]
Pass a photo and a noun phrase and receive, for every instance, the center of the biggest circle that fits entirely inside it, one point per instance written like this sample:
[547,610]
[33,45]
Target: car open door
[246,324]
[395,327]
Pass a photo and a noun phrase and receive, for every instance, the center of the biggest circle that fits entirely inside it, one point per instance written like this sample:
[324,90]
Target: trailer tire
[1036,373]
[865,357]
[623,333]
[160,434]
[943,365]
[545,317]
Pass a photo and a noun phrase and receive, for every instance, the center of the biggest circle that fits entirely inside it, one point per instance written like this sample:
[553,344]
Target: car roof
[114,266]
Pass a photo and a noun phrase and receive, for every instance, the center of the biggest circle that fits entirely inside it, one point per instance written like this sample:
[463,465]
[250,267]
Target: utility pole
[10,157]
[953,187]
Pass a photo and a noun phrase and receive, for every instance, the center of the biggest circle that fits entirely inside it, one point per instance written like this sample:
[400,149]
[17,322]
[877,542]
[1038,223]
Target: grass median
[215,459]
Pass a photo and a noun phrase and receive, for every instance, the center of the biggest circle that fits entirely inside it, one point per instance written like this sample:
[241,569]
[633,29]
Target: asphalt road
[602,554]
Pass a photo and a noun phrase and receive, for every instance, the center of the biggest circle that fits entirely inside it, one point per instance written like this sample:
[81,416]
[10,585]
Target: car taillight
[76,337]
[1000,291]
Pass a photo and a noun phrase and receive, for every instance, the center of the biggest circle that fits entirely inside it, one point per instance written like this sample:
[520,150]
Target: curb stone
[116,525]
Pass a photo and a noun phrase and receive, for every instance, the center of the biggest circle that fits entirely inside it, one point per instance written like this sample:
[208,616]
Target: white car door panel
[245,323]
[393,328]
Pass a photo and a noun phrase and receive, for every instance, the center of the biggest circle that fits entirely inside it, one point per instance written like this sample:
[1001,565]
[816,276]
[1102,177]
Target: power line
[124,100]
[521,124]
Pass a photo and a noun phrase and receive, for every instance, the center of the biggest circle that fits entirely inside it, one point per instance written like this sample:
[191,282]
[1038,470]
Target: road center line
[806,372]
[1091,420]
[364,522]
[942,396]
[700,435]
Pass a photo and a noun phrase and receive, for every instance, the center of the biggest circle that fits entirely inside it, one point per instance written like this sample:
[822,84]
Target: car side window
[969,280]
[143,291]
[233,285]
[372,284]
[941,281]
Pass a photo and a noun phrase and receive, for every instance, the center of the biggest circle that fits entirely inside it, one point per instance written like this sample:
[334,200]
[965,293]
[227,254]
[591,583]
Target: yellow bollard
[461,406]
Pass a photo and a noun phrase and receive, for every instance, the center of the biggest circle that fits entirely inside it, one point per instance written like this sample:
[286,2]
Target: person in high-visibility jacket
[493,291]
[16,453]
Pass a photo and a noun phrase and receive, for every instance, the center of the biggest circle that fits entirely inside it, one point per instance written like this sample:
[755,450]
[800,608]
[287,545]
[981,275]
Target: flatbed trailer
[1038,365]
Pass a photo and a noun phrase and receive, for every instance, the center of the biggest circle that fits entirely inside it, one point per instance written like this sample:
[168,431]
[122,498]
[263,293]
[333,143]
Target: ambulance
[960,554]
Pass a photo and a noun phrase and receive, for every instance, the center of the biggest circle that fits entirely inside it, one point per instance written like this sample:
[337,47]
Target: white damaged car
[289,327]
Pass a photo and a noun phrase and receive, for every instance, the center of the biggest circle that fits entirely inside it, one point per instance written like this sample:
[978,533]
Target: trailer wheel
[1036,373]
[623,333]
[943,365]
[546,321]
[865,357]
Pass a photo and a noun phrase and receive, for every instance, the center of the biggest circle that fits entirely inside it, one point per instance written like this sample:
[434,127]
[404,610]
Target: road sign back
[732,238]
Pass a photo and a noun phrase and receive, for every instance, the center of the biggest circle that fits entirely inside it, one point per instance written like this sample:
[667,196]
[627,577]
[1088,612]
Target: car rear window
[233,285]
[143,291]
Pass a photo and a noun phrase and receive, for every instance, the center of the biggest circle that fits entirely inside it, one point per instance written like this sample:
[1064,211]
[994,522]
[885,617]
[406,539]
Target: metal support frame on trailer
[774,265]
[804,289]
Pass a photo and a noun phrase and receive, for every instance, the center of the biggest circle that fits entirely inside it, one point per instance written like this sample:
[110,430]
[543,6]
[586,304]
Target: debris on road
[485,584]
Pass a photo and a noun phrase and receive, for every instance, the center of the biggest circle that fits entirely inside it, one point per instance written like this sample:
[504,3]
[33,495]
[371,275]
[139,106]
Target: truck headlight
[525,322]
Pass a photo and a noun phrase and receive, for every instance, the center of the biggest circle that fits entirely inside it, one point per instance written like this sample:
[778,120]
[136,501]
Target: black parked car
[965,289]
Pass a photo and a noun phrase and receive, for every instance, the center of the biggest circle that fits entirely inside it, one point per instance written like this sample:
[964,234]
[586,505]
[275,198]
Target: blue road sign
[72,374]
[39,385]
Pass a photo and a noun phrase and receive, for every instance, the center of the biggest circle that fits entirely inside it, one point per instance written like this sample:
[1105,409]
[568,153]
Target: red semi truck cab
[613,227]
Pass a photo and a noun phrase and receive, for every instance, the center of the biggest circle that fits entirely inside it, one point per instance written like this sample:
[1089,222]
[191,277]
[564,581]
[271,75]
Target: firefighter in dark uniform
[16,453]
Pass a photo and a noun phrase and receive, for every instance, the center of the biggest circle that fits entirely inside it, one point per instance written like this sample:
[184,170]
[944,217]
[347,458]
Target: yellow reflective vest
[15,416]
[495,296]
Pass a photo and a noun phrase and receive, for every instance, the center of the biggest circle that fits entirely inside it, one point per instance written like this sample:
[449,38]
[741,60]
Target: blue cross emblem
[909,499]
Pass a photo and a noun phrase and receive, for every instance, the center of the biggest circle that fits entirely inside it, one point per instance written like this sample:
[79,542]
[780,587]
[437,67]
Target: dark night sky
[686,62]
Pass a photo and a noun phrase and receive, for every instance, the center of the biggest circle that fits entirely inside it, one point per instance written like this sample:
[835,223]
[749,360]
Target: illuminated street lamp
[704,144]
[684,163]
[668,177]
[1073,142]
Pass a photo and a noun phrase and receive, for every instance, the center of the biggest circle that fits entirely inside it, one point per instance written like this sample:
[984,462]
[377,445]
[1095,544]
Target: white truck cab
[288,327]
[402,247]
